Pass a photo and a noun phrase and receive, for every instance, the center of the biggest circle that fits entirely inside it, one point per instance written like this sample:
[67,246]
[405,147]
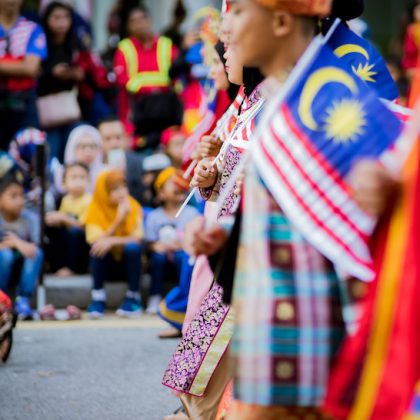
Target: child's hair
[173,174]
[108,120]
[75,165]
[7,181]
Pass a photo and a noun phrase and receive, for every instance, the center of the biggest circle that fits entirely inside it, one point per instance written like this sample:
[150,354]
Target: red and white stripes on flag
[395,157]
[223,127]
[225,6]
[245,126]
[313,196]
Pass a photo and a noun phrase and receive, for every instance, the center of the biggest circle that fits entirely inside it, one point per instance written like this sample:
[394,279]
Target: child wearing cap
[172,142]
[164,232]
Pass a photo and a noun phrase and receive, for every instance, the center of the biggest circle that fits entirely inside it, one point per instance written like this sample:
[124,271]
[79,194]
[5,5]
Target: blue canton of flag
[365,61]
[319,126]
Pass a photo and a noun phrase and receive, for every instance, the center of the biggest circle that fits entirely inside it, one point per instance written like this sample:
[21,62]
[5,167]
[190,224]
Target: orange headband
[300,7]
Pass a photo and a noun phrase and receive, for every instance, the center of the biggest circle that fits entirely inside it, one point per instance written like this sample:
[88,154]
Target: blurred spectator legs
[159,268]
[68,248]
[17,111]
[101,268]
[29,272]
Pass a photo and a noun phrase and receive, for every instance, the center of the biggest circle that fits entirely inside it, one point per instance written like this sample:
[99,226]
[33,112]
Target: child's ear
[282,23]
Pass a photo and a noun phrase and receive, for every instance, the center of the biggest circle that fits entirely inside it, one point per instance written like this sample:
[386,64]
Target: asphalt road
[108,369]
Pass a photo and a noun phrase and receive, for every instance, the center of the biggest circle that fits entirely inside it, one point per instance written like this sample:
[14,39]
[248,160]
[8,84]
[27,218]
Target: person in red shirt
[412,41]
[147,103]
[22,47]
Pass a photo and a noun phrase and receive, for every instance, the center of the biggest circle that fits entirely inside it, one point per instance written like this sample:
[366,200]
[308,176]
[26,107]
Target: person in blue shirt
[22,48]
[164,235]
[19,239]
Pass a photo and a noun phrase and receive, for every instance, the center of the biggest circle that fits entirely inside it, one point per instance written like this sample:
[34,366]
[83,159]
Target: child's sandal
[48,313]
[74,313]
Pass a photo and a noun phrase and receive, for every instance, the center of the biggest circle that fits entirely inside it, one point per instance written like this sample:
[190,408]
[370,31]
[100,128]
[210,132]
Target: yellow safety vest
[159,78]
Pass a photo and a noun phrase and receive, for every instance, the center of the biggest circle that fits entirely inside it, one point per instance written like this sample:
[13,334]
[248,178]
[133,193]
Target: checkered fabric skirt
[288,311]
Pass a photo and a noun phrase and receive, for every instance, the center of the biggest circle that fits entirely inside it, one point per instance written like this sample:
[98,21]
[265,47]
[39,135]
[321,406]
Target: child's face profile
[76,180]
[171,193]
[218,72]
[86,151]
[12,200]
[118,194]
[174,148]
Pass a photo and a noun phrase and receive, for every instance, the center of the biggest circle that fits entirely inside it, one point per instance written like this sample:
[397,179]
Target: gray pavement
[108,369]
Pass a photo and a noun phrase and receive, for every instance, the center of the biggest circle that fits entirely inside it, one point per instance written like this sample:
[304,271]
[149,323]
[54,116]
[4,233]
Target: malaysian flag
[364,59]
[323,121]
[246,124]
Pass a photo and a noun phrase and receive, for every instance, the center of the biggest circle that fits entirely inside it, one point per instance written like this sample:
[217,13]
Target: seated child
[114,229]
[152,167]
[163,232]
[68,251]
[19,236]
[172,142]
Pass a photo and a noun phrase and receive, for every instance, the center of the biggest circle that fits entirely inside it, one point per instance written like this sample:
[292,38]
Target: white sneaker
[153,304]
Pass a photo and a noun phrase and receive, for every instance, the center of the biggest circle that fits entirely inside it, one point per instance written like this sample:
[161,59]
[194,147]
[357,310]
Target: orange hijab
[102,212]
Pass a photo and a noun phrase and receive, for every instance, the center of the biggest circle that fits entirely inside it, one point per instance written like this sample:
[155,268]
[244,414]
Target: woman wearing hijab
[114,229]
[84,146]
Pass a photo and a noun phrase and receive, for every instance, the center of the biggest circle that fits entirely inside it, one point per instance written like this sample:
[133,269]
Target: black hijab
[348,9]
[345,10]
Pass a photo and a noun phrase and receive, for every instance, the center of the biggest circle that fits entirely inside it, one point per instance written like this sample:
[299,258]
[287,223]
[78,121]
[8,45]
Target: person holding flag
[299,218]
[378,369]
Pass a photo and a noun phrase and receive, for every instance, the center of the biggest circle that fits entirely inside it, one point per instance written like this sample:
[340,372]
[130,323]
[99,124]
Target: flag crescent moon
[345,49]
[314,84]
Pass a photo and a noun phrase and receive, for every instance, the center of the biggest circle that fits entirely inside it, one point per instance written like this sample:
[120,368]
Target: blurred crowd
[98,155]
[135,113]
[111,132]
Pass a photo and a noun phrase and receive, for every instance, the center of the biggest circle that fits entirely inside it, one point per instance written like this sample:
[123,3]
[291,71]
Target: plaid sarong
[287,308]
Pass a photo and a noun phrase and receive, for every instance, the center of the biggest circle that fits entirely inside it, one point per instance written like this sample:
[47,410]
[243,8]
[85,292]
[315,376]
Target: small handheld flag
[365,61]
[320,125]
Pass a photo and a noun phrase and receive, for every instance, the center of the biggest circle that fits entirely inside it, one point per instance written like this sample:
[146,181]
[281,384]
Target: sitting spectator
[172,141]
[84,146]
[22,47]
[114,228]
[117,154]
[164,232]
[68,250]
[19,236]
